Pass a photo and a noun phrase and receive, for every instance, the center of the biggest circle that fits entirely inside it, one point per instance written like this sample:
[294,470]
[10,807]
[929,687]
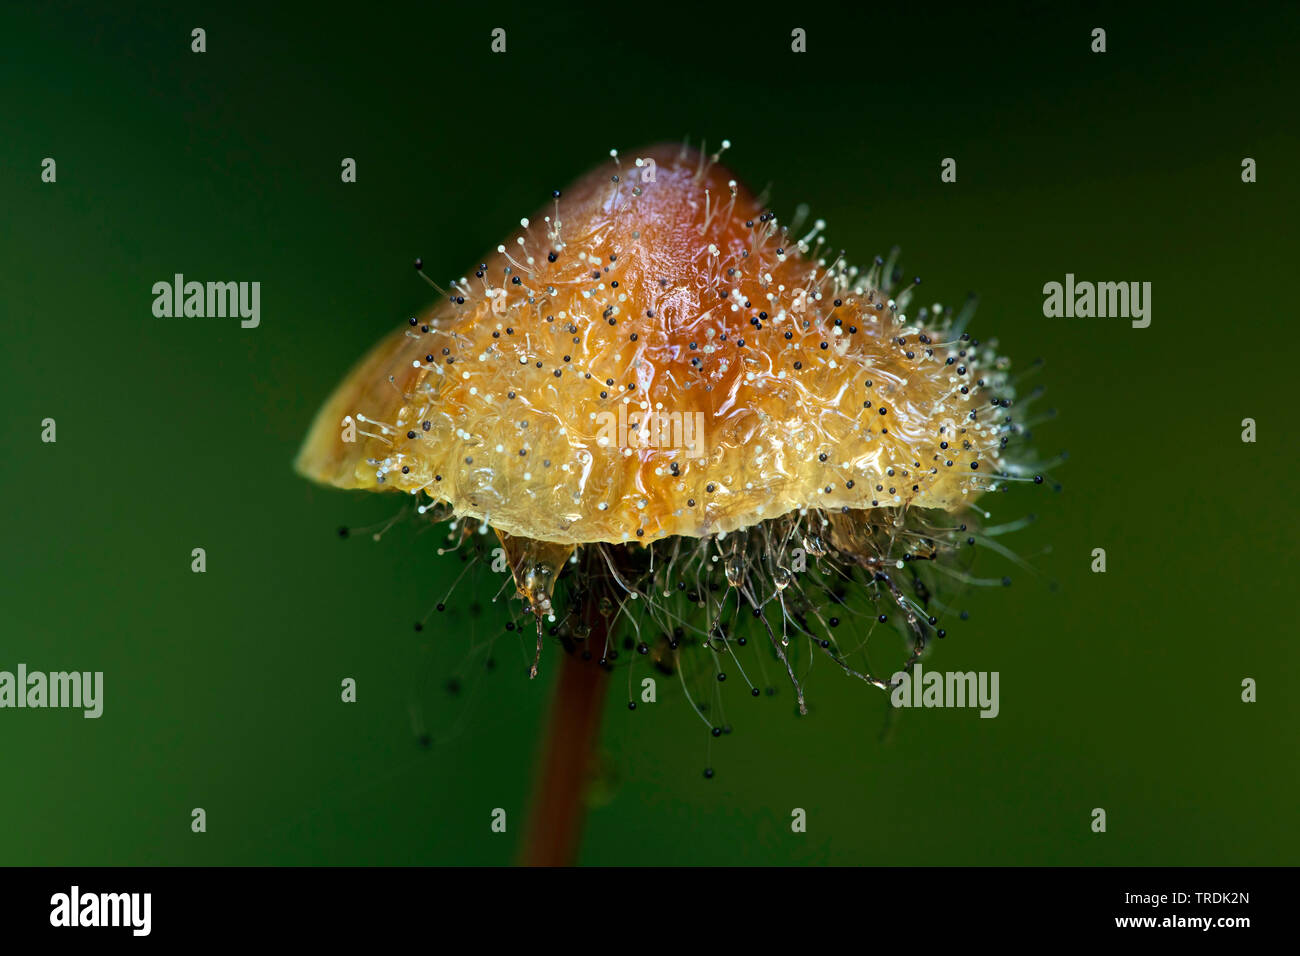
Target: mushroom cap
[653,355]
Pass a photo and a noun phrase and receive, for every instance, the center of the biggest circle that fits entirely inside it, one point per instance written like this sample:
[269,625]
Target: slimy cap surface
[653,354]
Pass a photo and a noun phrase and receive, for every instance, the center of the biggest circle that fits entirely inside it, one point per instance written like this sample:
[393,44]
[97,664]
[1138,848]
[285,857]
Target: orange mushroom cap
[653,355]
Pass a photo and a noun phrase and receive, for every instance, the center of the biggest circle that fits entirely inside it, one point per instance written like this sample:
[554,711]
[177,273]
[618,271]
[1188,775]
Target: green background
[1118,690]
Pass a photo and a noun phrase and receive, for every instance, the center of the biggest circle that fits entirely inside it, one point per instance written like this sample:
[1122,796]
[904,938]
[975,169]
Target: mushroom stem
[559,793]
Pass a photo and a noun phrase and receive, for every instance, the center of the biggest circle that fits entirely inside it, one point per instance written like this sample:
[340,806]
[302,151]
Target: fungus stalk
[567,752]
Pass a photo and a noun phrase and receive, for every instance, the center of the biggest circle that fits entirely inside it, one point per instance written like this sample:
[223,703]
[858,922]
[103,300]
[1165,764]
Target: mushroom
[652,356]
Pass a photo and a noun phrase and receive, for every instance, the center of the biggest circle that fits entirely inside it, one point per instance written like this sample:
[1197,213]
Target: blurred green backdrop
[1119,691]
